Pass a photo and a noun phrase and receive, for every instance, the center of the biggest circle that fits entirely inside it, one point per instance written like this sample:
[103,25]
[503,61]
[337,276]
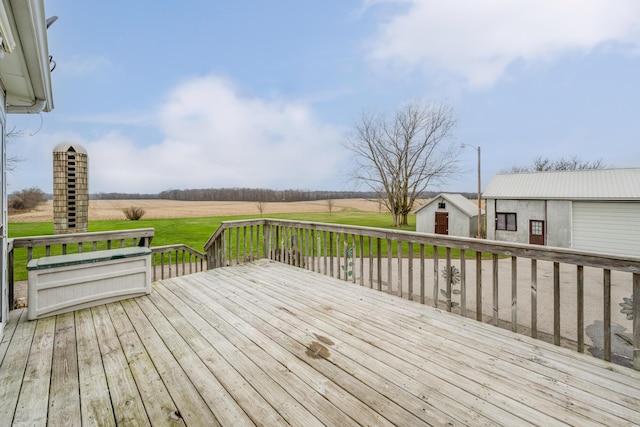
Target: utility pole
[479,235]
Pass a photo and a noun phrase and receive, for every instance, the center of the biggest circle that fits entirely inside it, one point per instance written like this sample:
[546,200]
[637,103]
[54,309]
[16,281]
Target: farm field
[156,208]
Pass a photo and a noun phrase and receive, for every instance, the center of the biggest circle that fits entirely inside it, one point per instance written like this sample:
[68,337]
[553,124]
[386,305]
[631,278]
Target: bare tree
[544,164]
[398,156]
[11,136]
[330,205]
[261,205]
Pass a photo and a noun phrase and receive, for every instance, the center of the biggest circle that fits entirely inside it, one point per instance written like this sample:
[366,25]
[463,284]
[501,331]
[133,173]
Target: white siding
[4,287]
[607,227]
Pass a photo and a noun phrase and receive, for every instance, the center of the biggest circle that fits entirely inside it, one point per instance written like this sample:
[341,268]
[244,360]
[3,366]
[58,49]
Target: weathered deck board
[64,399]
[34,393]
[454,359]
[155,397]
[95,402]
[269,344]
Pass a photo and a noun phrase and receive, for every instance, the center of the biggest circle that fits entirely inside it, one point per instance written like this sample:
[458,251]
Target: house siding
[607,227]
[458,221]
[4,296]
[463,215]
[558,225]
[555,213]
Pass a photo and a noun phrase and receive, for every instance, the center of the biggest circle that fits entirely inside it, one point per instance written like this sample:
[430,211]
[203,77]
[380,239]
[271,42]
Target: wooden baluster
[400,290]
[449,278]
[514,294]
[463,283]
[607,314]
[495,290]
[361,257]
[410,271]
[389,266]
[534,298]
[479,286]
[556,303]
[636,321]
[435,276]
[580,307]
[370,263]
[422,295]
[379,263]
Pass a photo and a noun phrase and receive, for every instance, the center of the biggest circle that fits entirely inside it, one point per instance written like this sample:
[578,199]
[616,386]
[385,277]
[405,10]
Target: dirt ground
[112,209]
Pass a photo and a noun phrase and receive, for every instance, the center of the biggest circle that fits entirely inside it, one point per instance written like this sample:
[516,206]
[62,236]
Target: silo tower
[70,188]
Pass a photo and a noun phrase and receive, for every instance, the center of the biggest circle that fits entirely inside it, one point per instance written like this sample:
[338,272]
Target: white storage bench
[63,283]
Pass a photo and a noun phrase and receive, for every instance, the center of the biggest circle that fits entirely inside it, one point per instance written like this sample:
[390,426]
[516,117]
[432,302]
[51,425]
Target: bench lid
[86,257]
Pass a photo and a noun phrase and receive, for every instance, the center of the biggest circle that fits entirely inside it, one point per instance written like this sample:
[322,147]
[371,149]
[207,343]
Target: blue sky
[198,94]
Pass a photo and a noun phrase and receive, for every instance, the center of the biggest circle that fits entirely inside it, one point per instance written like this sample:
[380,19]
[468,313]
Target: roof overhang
[24,68]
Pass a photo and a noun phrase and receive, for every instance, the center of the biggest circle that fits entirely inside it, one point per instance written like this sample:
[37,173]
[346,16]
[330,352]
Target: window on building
[442,205]
[506,221]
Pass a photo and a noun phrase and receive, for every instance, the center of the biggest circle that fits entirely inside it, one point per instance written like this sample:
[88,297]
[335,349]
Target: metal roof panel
[594,184]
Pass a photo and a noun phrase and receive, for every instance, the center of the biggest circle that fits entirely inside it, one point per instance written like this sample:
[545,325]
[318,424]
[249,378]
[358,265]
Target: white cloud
[215,137]
[478,40]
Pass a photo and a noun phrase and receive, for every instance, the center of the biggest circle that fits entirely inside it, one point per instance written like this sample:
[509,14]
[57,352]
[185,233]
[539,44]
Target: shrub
[26,199]
[133,213]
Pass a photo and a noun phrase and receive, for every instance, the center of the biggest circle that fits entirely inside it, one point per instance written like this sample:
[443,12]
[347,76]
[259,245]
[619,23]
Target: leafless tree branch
[399,156]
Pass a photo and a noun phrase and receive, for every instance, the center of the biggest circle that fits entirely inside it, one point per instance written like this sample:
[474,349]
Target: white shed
[451,214]
[594,210]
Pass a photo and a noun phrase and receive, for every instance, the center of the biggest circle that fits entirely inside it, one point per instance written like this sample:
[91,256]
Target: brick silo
[70,188]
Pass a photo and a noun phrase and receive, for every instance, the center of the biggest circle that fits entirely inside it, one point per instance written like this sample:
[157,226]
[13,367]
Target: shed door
[442,222]
[536,232]
[606,227]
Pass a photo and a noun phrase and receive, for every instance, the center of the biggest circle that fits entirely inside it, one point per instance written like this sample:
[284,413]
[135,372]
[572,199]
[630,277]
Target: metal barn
[594,210]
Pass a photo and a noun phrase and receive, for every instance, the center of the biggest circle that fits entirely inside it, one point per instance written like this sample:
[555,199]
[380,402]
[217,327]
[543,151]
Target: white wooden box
[63,283]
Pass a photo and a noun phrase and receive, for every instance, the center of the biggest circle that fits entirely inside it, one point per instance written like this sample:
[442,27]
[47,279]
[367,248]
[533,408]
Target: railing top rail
[546,253]
[178,246]
[59,239]
[231,224]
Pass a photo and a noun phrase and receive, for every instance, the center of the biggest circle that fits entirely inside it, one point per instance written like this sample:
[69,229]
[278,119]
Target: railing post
[10,261]
[266,241]
[449,279]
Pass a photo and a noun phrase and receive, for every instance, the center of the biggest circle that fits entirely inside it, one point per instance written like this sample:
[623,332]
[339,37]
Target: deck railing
[167,261]
[176,260]
[547,293]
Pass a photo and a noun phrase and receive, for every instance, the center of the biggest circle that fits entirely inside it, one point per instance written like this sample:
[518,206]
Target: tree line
[239,195]
[258,195]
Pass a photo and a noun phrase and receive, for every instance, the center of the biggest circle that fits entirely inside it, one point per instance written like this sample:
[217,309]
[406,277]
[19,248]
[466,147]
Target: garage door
[607,227]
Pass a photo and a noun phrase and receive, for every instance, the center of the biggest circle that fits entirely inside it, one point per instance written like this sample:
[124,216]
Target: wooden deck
[269,344]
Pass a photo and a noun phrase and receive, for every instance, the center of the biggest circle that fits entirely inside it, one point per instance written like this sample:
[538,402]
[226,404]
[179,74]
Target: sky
[250,93]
